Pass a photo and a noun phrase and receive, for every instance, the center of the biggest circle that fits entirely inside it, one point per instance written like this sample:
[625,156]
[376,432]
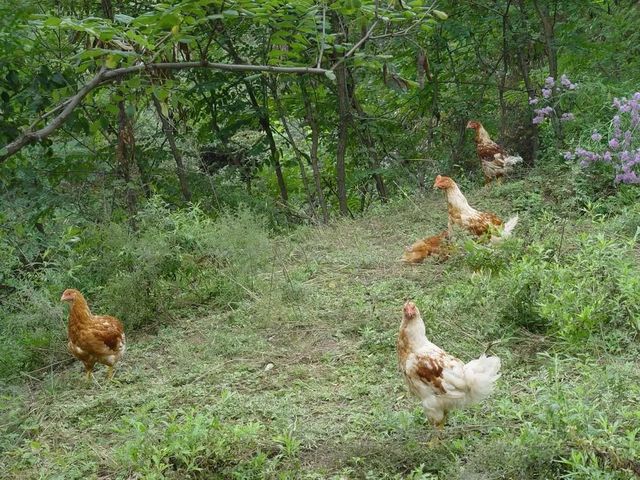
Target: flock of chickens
[495,164]
[441,381]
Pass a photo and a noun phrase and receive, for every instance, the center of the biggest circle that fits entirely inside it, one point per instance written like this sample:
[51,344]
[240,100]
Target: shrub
[175,261]
[575,295]
[193,443]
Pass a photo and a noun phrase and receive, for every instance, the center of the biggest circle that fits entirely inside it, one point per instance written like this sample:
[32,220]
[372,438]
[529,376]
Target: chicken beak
[409,310]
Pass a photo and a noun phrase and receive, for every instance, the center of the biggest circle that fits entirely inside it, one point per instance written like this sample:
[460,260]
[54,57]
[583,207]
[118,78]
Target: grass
[300,379]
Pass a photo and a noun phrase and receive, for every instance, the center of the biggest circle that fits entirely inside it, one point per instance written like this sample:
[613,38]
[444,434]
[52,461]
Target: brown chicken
[440,381]
[495,160]
[462,214]
[93,338]
[436,245]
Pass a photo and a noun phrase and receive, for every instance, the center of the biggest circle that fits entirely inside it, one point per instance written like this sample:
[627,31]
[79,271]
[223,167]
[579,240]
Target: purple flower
[547,110]
[565,81]
[533,101]
[567,117]
[607,156]
[616,102]
[549,82]
[614,143]
[636,96]
[568,155]
[625,108]
[546,93]
[538,119]
[616,121]
[596,137]
[630,177]
[573,86]
[583,163]
[627,138]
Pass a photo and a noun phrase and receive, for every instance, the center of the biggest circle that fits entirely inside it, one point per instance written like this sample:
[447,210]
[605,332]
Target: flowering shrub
[552,95]
[621,150]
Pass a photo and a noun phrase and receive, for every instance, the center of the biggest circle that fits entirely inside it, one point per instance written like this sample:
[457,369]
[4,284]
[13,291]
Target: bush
[174,262]
[574,295]
[193,443]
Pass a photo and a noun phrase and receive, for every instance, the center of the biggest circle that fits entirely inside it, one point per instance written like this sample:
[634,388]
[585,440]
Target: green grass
[300,380]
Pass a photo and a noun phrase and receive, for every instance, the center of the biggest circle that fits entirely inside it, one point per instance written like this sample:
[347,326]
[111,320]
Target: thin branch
[356,46]
[324,15]
[30,136]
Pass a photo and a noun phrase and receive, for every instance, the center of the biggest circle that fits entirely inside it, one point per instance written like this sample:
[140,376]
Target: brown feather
[93,338]
[436,245]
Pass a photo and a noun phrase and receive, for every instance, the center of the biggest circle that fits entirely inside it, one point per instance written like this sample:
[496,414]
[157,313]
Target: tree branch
[68,106]
[356,46]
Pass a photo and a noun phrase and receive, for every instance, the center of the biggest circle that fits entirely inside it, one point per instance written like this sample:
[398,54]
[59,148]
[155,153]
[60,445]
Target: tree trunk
[531,90]
[343,112]
[367,140]
[314,151]
[124,158]
[549,38]
[263,119]
[296,151]
[168,131]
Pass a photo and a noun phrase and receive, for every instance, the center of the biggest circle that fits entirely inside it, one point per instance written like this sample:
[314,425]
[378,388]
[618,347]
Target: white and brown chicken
[440,381]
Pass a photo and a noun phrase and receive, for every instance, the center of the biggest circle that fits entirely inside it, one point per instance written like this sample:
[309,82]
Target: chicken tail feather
[506,231]
[483,374]
[512,160]
[509,226]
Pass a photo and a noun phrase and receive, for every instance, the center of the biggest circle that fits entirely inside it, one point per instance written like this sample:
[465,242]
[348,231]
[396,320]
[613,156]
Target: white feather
[506,231]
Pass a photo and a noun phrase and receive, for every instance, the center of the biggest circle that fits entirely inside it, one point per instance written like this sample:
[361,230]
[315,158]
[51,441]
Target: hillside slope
[300,380]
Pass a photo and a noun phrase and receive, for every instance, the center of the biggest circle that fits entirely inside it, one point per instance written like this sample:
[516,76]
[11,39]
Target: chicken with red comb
[93,338]
[440,381]
[496,162]
[473,221]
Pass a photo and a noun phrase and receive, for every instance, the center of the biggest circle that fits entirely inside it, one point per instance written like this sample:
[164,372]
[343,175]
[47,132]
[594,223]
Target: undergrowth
[258,356]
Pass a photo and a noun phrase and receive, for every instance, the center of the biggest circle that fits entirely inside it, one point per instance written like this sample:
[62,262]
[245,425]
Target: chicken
[495,160]
[93,338]
[422,249]
[441,381]
[461,213]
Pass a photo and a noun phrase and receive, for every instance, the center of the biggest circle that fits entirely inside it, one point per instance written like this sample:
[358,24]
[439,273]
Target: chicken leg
[89,370]
[110,374]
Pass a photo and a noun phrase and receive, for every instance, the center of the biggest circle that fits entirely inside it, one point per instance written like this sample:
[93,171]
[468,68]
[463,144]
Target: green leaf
[112,61]
[95,126]
[330,75]
[441,15]
[3,151]
[161,93]
[112,109]
[53,22]
[231,13]
[134,82]
[126,19]
[165,109]
[130,111]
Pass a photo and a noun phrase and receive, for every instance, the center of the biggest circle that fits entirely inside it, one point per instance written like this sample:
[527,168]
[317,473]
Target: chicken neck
[79,312]
[482,136]
[415,332]
[456,199]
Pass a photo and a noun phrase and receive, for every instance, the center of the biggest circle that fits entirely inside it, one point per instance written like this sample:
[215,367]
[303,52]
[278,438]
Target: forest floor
[301,379]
